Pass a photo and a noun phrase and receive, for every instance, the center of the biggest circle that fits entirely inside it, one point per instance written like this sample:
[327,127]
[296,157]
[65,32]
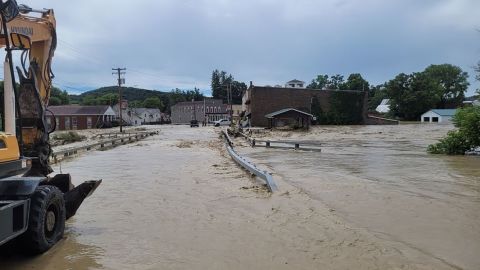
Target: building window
[89,122]
[57,122]
[67,123]
[74,122]
[435,119]
[426,119]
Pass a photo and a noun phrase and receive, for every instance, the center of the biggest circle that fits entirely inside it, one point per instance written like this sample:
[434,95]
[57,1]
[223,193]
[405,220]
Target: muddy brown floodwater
[380,178]
[176,201]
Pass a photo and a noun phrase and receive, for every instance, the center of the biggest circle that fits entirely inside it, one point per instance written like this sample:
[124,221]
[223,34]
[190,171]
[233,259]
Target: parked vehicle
[222,122]
[194,123]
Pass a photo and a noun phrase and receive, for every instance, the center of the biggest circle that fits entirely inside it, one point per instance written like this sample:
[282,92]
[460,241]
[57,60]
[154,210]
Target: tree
[355,82]
[319,83]
[220,84]
[335,82]
[153,102]
[54,101]
[176,96]
[237,91]
[467,137]
[89,100]
[477,70]
[375,96]
[452,83]
[108,99]
[411,95]
[135,104]
[59,97]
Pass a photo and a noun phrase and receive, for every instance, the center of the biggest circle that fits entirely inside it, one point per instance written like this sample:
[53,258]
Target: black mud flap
[72,195]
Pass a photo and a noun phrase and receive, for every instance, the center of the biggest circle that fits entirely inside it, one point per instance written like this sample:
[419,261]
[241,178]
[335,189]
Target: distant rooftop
[78,110]
[295,81]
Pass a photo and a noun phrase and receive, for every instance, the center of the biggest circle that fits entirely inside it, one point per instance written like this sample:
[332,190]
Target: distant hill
[129,93]
[135,96]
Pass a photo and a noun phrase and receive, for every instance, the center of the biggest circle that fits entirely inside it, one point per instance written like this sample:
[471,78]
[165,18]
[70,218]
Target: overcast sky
[177,43]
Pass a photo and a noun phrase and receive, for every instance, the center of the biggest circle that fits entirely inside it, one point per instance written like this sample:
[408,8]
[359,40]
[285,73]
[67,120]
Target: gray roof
[78,110]
[444,112]
[295,81]
[273,114]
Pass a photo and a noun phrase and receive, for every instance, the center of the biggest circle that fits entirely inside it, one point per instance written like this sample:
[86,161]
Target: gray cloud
[172,43]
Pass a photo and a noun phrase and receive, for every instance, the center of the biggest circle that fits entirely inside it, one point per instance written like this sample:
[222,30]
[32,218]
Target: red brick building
[260,101]
[74,117]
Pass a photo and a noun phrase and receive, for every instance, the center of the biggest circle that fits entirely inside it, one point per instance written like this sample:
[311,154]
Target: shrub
[467,137]
[454,143]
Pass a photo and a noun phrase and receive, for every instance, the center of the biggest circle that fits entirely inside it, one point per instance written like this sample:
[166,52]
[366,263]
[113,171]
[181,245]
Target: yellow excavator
[33,204]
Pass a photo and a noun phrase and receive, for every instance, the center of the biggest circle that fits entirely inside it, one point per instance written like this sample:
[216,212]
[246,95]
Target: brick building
[213,109]
[258,101]
[73,117]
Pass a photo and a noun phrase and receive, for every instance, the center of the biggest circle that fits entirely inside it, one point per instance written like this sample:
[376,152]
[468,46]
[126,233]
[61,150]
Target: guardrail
[117,134]
[100,145]
[267,177]
[297,145]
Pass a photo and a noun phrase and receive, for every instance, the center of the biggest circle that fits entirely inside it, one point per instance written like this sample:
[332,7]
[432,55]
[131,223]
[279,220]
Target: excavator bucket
[72,195]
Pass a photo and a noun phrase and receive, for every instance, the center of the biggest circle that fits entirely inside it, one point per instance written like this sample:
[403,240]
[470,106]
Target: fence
[132,137]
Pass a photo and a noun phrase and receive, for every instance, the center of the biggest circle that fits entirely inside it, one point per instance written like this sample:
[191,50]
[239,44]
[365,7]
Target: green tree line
[437,87]
[139,98]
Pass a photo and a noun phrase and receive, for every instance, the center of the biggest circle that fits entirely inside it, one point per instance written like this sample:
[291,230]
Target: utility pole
[204,111]
[230,102]
[120,72]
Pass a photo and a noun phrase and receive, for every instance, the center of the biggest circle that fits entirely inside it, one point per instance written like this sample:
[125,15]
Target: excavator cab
[33,204]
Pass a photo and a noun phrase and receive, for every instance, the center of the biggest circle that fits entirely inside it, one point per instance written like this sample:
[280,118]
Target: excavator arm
[24,146]
[36,38]
[41,31]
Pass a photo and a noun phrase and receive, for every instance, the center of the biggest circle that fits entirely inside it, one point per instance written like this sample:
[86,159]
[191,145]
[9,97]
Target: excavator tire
[47,220]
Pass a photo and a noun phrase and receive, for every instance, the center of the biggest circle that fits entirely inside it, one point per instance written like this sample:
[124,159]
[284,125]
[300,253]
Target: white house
[384,106]
[295,84]
[443,116]
[148,116]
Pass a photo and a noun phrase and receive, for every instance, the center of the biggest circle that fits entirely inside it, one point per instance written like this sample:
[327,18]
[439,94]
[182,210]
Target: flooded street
[380,178]
[177,201]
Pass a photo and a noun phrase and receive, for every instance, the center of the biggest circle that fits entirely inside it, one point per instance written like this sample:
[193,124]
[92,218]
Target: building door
[74,123]
[89,122]
[67,123]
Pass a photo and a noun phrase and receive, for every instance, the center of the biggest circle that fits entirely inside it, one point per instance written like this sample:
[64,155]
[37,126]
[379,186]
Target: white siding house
[443,116]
